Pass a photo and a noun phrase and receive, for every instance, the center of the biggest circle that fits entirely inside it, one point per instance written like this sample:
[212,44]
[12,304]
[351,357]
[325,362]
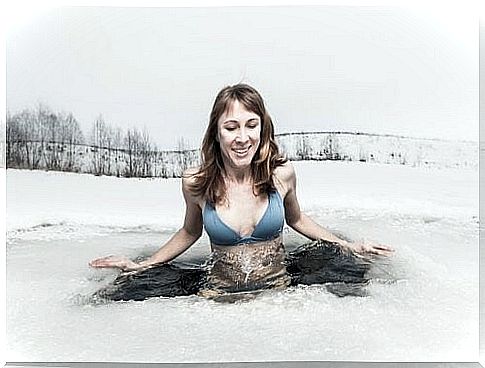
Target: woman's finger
[102,262]
[383,247]
[357,254]
[381,252]
[95,262]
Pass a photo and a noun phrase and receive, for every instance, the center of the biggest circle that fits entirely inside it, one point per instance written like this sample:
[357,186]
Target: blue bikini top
[269,227]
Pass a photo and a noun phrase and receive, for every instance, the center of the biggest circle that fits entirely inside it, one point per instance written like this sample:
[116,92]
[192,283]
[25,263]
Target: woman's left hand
[364,248]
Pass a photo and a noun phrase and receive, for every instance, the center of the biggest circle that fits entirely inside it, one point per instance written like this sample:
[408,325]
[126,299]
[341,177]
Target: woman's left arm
[304,225]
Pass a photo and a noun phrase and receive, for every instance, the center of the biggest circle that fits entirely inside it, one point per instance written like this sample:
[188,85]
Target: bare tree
[12,132]
[2,144]
[303,148]
[183,156]
[332,150]
[71,137]
[146,154]
[132,147]
[139,154]
[117,144]
[24,137]
[101,141]
[51,126]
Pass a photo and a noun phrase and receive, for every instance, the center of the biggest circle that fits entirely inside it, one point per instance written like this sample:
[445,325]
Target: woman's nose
[242,136]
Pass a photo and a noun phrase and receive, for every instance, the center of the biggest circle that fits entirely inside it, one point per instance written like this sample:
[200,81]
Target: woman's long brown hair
[208,181]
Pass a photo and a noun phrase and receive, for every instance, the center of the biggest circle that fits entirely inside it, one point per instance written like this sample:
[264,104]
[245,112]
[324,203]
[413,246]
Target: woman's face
[238,133]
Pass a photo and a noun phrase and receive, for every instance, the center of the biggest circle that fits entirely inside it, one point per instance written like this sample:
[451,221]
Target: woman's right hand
[123,263]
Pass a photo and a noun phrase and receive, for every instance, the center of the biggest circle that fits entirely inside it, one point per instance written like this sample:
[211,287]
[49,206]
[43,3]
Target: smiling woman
[238,136]
[241,194]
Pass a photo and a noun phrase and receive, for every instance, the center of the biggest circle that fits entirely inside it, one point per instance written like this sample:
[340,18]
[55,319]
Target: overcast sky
[371,69]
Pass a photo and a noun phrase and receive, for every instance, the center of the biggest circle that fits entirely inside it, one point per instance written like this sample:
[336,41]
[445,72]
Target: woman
[241,194]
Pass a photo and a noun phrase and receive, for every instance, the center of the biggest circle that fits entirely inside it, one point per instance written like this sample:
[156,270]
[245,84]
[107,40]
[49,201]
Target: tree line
[31,136]
[39,138]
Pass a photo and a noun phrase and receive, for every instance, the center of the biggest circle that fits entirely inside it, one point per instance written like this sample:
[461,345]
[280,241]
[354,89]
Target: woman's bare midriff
[246,267]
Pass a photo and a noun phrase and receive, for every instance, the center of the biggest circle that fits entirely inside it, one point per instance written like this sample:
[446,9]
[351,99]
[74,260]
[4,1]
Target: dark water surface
[317,262]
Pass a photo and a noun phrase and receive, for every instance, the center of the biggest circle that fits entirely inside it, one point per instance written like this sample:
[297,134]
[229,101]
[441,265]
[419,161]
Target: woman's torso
[246,240]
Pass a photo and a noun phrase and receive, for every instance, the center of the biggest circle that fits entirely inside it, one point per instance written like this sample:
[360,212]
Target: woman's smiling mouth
[241,152]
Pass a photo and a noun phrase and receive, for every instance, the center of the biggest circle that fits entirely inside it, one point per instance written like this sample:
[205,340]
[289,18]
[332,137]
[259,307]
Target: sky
[391,70]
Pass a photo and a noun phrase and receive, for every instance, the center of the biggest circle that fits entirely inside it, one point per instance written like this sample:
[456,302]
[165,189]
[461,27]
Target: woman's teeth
[241,151]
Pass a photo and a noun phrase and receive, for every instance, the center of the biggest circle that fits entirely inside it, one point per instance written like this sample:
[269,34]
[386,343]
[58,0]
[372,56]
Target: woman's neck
[238,176]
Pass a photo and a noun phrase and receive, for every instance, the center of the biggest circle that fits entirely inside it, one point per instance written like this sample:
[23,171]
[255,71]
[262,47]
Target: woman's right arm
[178,243]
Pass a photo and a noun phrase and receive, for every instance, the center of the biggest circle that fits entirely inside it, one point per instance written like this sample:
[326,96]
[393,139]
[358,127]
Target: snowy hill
[319,146]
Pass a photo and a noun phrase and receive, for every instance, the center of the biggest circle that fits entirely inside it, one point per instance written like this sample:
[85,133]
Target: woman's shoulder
[284,178]
[190,172]
[285,172]
[189,179]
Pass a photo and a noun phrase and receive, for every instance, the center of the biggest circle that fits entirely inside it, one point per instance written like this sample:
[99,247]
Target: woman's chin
[241,162]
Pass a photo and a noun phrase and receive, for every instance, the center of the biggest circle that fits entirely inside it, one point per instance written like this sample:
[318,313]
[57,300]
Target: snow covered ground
[421,306]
